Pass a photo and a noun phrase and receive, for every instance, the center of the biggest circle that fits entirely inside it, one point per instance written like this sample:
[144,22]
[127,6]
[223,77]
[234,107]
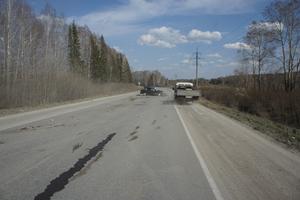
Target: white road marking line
[46,113]
[67,105]
[203,165]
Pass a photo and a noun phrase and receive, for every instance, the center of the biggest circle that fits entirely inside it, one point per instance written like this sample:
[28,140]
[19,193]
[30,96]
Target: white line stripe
[66,105]
[203,165]
[14,120]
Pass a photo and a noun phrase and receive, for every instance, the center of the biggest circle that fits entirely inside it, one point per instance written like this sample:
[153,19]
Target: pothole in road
[63,179]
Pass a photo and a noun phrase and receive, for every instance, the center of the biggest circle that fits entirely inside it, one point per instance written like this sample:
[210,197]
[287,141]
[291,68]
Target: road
[139,147]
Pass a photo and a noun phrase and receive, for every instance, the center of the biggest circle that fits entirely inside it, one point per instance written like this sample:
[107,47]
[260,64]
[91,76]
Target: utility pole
[197,58]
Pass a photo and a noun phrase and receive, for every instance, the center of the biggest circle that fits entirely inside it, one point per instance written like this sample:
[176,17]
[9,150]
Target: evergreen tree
[128,73]
[74,50]
[70,46]
[103,68]
[120,67]
[116,64]
[94,59]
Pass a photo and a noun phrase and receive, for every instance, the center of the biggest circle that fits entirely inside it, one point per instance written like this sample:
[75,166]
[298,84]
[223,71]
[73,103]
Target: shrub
[277,105]
[50,88]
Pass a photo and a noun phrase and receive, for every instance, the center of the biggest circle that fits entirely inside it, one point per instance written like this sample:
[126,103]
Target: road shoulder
[284,136]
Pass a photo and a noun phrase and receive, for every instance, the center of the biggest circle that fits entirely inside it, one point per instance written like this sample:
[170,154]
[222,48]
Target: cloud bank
[237,45]
[167,37]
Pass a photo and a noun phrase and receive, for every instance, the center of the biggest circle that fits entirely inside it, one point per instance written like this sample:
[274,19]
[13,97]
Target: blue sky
[164,34]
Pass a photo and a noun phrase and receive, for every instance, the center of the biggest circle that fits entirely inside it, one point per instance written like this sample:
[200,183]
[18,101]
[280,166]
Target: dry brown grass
[286,135]
[279,106]
[56,88]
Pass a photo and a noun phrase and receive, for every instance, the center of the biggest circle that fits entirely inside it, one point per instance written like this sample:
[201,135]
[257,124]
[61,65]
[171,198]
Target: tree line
[273,47]
[267,81]
[39,54]
[150,78]
[95,60]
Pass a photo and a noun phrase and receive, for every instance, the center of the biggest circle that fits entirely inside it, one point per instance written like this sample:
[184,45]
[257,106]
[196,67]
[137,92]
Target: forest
[44,59]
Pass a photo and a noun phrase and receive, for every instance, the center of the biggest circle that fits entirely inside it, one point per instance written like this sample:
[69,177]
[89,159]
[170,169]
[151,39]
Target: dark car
[151,91]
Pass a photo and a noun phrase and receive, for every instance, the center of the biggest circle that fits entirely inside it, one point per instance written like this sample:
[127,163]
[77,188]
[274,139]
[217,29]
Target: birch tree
[286,15]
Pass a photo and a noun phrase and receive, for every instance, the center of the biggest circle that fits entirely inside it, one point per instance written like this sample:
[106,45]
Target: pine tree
[74,50]
[95,59]
[70,46]
[103,68]
[128,73]
[125,72]
[116,64]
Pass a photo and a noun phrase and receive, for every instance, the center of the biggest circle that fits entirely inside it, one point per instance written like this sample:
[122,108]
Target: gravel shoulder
[285,136]
[244,164]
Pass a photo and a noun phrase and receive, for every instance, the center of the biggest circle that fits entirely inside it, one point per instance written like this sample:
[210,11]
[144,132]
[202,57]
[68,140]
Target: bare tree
[34,64]
[286,14]
[260,48]
[7,42]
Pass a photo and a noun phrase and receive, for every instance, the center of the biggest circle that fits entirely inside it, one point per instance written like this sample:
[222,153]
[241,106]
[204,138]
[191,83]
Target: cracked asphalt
[136,147]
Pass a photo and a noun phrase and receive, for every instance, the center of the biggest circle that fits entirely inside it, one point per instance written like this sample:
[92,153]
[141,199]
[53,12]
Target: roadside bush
[246,105]
[222,95]
[276,105]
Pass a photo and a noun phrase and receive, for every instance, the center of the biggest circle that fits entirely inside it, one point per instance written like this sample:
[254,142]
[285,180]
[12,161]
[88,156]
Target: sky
[165,34]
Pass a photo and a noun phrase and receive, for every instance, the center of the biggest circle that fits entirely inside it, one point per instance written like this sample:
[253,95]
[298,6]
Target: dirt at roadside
[286,136]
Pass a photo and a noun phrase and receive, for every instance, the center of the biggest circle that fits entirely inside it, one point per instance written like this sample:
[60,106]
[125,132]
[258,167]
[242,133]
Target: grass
[110,90]
[286,135]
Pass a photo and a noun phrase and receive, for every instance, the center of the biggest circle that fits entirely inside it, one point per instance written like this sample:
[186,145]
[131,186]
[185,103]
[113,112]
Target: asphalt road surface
[138,147]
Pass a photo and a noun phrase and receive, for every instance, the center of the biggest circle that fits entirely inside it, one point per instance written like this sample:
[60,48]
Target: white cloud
[204,36]
[167,37]
[237,45]
[128,16]
[186,61]
[268,26]
[214,55]
[118,49]
[162,59]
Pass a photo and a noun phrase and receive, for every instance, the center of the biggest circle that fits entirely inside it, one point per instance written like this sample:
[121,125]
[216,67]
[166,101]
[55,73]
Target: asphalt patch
[133,133]
[133,138]
[76,146]
[63,179]
[33,128]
